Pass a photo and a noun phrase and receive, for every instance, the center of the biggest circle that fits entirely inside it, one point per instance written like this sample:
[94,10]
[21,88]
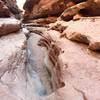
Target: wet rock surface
[57,61]
[41,75]
[38,83]
[79,66]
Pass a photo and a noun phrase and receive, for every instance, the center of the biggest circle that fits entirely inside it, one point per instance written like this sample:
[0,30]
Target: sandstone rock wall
[59,61]
[4,11]
[41,8]
[9,8]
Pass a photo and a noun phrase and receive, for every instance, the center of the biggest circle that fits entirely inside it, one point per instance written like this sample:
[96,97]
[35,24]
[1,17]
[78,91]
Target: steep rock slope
[79,66]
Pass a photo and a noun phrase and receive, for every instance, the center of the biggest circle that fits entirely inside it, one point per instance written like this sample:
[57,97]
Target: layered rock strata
[9,8]
[87,31]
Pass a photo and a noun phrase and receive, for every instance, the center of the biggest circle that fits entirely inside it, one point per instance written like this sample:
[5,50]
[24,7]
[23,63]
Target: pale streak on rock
[12,67]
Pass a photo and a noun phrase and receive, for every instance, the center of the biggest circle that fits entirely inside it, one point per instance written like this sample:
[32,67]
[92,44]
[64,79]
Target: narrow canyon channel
[49,50]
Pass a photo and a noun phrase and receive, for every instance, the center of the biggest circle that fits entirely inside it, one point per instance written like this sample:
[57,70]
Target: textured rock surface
[38,83]
[80,70]
[85,8]
[4,11]
[12,5]
[9,8]
[41,8]
[12,67]
[87,31]
[42,21]
[9,25]
[54,66]
[81,76]
[41,76]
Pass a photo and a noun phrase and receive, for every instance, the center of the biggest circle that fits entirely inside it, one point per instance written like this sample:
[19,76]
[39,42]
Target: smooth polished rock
[81,71]
[12,67]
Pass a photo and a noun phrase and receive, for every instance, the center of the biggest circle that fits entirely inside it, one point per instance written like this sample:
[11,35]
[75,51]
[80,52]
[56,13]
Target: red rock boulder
[9,25]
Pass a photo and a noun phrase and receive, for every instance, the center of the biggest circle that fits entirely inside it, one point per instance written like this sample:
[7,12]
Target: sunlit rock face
[49,64]
[20,3]
[88,33]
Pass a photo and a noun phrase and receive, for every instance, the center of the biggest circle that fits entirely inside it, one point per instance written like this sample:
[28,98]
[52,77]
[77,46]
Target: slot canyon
[49,49]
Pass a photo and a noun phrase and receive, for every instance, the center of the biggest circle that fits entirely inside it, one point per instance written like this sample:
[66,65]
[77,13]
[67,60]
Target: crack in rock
[83,93]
